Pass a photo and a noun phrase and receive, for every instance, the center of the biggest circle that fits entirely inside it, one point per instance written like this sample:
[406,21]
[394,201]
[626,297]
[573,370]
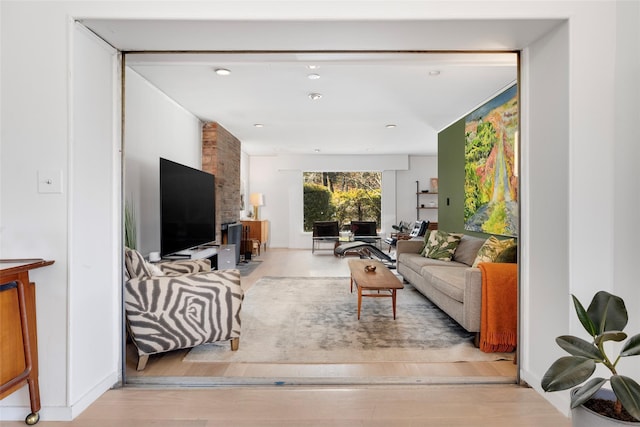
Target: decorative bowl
[370,268]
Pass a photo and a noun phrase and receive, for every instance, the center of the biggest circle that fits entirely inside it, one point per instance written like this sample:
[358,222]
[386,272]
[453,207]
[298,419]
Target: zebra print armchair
[181,304]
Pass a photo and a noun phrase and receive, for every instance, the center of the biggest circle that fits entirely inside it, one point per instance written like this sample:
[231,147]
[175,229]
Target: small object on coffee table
[379,284]
[370,268]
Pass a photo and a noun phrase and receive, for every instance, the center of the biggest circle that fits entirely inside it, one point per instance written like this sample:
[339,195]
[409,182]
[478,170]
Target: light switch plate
[50,181]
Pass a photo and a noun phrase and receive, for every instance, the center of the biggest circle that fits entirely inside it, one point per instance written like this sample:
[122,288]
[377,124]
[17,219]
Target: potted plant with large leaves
[604,320]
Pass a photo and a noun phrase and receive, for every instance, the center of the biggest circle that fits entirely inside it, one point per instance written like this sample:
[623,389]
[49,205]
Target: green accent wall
[451,179]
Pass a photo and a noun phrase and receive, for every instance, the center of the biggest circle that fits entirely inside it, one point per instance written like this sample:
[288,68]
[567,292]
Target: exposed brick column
[221,157]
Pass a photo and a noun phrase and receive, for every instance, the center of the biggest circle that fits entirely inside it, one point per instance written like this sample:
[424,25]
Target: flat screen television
[187,207]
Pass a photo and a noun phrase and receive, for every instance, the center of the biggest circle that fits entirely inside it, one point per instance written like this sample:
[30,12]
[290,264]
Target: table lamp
[256,199]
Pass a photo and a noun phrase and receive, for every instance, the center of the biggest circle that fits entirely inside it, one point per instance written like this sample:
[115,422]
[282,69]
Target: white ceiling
[371,74]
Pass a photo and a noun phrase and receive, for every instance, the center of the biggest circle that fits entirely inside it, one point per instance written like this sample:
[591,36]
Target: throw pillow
[467,250]
[426,239]
[136,264]
[509,255]
[491,248]
[441,245]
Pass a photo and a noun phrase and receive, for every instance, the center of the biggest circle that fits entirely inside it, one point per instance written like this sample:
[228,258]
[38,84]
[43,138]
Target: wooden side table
[18,344]
[258,230]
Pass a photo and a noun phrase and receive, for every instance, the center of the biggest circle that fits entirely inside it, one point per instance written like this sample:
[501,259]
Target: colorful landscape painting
[491,178]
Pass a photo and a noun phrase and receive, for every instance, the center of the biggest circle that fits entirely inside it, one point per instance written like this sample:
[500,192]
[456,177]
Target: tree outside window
[342,197]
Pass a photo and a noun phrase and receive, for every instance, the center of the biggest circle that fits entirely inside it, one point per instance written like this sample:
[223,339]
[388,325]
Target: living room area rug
[314,320]
[247,267]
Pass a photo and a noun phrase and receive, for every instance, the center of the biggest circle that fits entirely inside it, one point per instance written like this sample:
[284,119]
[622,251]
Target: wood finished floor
[452,406]
[168,368]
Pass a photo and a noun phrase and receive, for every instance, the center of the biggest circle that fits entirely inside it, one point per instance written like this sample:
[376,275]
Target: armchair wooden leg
[235,343]
[142,362]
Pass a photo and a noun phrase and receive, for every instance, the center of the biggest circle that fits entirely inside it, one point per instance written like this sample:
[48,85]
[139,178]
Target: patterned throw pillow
[491,249]
[441,245]
[426,240]
[509,255]
[136,265]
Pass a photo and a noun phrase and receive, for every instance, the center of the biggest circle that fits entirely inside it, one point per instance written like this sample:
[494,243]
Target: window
[342,197]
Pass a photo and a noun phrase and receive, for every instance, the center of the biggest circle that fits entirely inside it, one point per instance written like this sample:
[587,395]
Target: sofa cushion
[416,262]
[491,249]
[449,281]
[467,249]
[441,245]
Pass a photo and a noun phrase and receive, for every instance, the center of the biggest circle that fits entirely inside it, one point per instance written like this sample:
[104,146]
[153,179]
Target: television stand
[195,253]
[222,257]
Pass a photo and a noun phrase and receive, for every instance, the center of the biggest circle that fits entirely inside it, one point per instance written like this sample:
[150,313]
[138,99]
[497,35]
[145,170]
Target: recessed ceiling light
[434,73]
[222,71]
[258,125]
[314,96]
[313,76]
[390,126]
[312,67]
[317,150]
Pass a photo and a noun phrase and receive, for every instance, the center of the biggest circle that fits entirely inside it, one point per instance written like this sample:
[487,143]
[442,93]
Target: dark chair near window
[364,228]
[365,231]
[324,232]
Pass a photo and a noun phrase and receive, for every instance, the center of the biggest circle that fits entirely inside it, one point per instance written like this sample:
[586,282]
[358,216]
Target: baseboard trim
[61,413]
[92,395]
[560,400]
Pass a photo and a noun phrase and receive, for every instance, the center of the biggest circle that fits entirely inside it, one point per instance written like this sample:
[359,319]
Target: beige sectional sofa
[454,285]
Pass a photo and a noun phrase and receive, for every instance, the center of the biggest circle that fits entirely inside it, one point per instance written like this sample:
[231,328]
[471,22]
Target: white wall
[155,126]
[61,114]
[244,184]
[94,195]
[422,169]
[545,272]
[35,137]
[576,201]
[626,195]
[599,43]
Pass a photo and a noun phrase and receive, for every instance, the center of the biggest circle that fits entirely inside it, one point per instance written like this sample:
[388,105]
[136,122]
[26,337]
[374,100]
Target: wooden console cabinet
[18,343]
[258,230]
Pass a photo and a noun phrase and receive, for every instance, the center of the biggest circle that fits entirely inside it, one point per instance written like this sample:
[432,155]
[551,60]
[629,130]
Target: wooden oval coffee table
[381,283]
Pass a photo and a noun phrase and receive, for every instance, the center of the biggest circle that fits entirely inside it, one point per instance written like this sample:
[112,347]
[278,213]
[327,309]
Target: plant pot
[585,417]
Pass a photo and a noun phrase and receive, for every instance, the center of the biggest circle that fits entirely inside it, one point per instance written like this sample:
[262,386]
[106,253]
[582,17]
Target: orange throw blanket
[499,312]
